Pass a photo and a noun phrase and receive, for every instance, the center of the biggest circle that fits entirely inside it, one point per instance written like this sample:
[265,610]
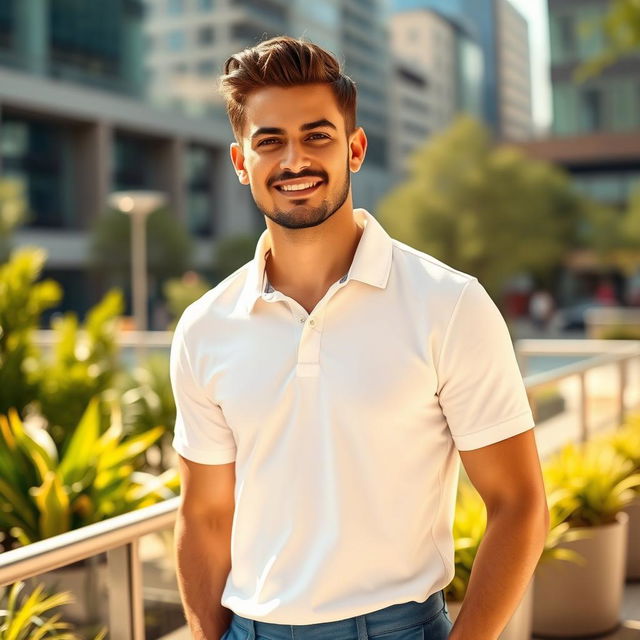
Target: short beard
[302,216]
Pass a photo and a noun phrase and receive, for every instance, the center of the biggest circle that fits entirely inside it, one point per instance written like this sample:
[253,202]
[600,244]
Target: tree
[487,210]
[169,247]
[620,32]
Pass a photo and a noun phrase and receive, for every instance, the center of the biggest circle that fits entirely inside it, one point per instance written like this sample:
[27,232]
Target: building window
[199,178]
[592,110]
[566,29]
[176,40]
[38,155]
[205,35]
[175,7]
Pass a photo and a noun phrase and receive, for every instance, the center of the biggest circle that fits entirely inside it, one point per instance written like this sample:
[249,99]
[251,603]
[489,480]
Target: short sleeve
[480,387]
[201,433]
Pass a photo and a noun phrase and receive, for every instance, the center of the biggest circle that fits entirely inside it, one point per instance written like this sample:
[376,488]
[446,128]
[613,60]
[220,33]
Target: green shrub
[82,365]
[22,301]
[46,494]
[598,481]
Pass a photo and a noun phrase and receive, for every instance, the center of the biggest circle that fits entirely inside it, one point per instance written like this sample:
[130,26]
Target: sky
[536,13]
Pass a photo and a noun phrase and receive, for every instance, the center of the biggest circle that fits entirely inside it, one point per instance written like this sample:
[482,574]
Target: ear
[357,149]
[237,159]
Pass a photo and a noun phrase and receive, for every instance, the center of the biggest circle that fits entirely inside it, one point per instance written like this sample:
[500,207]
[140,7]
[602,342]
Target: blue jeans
[428,620]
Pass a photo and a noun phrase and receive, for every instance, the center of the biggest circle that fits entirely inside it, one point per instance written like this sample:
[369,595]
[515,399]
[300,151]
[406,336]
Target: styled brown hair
[283,61]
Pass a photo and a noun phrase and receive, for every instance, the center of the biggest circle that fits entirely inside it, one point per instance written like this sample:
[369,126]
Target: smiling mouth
[296,193]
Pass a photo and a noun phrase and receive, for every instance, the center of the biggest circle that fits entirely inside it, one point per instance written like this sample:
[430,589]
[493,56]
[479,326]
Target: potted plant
[469,526]
[626,441]
[578,599]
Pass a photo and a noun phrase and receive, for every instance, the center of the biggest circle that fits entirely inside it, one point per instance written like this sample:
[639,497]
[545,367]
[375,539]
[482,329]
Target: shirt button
[312,322]
[301,320]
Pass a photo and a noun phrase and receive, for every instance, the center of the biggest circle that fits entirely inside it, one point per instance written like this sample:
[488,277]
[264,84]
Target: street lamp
[138,204]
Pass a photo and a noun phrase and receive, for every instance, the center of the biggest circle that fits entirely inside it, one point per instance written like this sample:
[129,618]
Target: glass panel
[163,611]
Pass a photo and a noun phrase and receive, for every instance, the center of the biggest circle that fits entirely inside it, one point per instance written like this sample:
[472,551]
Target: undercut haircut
[283,61]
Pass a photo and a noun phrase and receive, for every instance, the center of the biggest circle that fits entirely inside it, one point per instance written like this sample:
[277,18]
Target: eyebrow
[323,122]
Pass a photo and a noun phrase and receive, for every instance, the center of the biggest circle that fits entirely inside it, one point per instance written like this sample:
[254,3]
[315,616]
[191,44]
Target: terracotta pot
[572,600]
[633,544]
[520,624]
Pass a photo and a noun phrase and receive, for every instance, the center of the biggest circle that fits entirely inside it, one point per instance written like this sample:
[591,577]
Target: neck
[309,260]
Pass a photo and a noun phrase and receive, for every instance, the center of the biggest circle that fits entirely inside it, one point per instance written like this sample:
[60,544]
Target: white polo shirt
[344,424]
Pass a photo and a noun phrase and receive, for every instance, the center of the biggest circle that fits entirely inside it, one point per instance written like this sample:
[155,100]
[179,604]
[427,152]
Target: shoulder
[429,274]
[203,315]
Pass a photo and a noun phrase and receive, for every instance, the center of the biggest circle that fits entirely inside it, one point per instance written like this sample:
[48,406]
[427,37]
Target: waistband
[391,618]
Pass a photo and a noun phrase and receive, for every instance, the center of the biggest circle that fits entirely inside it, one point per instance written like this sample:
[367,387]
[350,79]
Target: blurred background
[503,139]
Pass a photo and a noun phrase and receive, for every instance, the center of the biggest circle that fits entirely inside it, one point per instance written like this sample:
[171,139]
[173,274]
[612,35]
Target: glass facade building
[609,102]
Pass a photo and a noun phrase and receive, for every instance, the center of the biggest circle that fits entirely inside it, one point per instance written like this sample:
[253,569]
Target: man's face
[295,137]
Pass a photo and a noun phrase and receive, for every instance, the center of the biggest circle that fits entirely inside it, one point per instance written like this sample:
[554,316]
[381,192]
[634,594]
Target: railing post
[584,434]
[622,367]
[126,606]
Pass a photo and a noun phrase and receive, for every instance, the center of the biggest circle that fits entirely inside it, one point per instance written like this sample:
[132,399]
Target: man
[325,393]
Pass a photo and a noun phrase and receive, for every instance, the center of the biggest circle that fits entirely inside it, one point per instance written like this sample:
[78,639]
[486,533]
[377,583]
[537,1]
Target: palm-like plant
[599,481]
[23,619]
[93,480]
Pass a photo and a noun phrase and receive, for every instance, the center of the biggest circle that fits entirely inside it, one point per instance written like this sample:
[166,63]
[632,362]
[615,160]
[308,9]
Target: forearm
[203,561]
[503,567]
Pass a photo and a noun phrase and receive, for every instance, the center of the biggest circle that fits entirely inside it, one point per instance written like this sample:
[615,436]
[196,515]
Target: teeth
[297,187]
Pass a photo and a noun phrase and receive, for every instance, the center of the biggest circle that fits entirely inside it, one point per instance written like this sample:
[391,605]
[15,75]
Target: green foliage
[599,482]
[82,365]
[181,292]
[169,246]
[625,440]
[619,31]
[234,251]
[46,494]
[22,301]
[466,200]
[21,618]
[147,402]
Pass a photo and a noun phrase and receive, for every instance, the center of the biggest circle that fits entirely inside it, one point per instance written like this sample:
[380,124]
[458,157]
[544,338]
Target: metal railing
[619,353]
[119,536]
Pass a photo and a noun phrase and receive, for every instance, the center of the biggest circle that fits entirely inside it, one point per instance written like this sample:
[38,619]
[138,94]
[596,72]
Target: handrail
[92,539]
[537,380]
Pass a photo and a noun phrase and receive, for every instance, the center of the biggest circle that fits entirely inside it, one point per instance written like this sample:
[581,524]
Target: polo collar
[371,262]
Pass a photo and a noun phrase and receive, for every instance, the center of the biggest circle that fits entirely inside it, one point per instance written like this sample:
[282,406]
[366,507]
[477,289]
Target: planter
[87,582]
[633,547]
[520,624]
[572,600]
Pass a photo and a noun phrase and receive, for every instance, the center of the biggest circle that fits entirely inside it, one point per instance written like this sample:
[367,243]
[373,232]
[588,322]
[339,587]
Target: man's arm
[508,477]
[203,545]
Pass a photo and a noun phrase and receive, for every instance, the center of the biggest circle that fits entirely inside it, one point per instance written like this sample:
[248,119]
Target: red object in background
[517,303]
[605,293]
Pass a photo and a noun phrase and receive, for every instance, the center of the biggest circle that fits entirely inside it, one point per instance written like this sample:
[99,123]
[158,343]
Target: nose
[294,157]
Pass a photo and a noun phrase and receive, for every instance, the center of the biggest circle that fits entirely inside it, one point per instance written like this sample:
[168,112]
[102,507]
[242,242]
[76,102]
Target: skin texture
[313,242]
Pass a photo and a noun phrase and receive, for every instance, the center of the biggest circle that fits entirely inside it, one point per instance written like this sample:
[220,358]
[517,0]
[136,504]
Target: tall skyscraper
[493,60]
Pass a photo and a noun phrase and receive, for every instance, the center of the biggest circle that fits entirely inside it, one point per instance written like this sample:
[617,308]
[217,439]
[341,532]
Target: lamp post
[138,204]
